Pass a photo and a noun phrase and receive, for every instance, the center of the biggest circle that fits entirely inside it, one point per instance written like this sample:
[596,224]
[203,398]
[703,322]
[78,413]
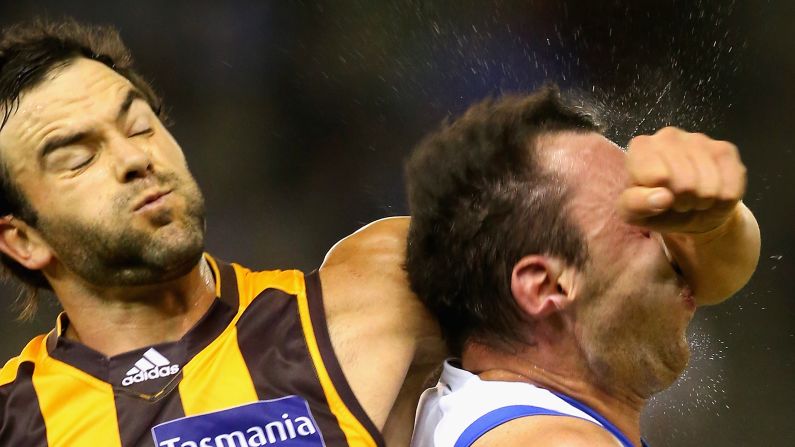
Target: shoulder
[547,431]
[380,245]
[380,332]
[365,270]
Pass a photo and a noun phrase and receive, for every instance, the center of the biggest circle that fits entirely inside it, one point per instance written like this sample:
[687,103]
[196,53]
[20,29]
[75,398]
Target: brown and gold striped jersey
[257,370]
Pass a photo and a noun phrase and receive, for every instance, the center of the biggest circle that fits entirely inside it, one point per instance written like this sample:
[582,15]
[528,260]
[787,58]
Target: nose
[132,159]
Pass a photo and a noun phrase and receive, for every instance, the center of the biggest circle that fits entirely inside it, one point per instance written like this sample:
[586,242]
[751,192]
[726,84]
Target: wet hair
[480,200]
[28,53]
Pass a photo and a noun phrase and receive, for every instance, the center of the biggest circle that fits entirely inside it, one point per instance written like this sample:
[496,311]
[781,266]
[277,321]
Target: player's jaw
[632,319]
[139,236]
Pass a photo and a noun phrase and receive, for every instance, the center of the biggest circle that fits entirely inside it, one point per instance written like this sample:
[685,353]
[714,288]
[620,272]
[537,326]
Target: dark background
[296,117]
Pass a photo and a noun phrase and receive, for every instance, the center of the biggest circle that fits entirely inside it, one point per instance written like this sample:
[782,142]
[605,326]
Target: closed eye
[70,158]
[146,131]
[140,126]
[82,164]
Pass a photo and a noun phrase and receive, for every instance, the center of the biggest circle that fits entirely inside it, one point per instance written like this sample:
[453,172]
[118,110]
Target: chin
[172,256]
[184,264]
[649,371]
[669,366]
[178,260]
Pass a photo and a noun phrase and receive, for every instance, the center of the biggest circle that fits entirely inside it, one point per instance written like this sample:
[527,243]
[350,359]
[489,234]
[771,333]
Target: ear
[23,244]
[541,285]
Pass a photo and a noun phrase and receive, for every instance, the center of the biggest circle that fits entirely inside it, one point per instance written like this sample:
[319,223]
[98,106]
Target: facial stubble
[114,252]
[628,344]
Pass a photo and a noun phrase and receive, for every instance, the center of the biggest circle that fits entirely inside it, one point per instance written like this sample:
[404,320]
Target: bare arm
[719,262]
[381,333]
[689,188]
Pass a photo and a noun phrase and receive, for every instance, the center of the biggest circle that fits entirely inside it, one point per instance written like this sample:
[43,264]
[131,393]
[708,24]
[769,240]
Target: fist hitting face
[681,182]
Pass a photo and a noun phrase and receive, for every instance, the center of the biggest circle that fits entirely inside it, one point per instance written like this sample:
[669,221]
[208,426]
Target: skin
[388,355]
[613,333]
[94,186]
[688,187]
[96,183]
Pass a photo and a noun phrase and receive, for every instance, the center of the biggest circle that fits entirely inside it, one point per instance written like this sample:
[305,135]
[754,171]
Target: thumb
[639,202]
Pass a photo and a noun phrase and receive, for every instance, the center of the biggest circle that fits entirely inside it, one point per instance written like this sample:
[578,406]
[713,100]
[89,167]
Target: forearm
[716,264]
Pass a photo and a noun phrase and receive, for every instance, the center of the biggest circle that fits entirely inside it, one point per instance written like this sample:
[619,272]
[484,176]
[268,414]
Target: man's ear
[23,244]
[541,285]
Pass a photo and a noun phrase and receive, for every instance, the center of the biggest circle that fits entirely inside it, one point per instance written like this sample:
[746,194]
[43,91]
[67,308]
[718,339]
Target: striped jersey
[257,370]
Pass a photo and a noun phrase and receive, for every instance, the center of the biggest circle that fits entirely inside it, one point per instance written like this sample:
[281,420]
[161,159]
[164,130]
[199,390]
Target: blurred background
[296,117]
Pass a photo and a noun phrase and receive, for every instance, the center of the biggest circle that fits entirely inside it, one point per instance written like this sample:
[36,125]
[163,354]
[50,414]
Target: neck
[117,320]
[559,372]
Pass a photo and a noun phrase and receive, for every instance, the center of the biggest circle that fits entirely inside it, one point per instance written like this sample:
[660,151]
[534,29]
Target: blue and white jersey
[462,408]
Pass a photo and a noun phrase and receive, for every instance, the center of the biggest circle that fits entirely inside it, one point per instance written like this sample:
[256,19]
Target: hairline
[48,76]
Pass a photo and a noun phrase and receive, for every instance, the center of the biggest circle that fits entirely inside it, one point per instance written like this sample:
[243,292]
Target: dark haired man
[564,270]
[159,343]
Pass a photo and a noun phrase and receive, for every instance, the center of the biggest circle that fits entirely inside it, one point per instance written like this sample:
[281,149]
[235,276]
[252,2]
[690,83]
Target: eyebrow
[66,140]
[132,95]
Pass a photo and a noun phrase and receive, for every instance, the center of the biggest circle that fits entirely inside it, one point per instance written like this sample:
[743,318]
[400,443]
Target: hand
[681,182]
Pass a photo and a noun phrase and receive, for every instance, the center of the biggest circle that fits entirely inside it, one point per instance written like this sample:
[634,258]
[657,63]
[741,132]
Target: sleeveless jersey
[462,408]
[257,370]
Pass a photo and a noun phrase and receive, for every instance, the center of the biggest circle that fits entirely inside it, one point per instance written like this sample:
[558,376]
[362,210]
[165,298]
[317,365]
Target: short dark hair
[28,52]
[480,200]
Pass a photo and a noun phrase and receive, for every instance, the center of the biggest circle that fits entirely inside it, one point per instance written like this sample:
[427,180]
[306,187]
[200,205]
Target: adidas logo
[151,366]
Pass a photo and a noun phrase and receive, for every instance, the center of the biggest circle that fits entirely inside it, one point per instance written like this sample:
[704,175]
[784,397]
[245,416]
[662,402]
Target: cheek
[613,244]
[632,265]
[93,195]
[169,150]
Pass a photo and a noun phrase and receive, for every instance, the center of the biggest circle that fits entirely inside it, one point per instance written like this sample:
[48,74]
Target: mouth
[151,200]
[687,298]
[685,292]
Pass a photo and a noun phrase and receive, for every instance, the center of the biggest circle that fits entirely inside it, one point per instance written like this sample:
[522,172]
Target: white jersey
[462,408]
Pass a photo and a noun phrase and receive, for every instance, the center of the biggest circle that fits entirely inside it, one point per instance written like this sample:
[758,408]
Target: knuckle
[732,194]
[669,130]
[708,190]
[684,189]
[735,171]
[654,179]
[694,138]
[699,143]
[742,172]
[683,186]
[651,173]
[637,142]
[727,197]
[725,149]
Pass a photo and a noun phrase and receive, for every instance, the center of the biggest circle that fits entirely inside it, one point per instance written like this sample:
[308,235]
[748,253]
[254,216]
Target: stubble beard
[640,367]
[117,254]
[630,348]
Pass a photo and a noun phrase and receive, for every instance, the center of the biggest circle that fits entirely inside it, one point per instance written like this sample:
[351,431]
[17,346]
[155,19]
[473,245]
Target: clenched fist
[681,182]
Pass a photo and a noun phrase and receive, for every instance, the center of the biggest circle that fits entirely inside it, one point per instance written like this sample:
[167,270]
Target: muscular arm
[689,187]
[382,335]
[719,262]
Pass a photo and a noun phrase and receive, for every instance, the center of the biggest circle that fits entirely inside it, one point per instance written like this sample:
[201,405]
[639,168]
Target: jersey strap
[498,417]
[625,442]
